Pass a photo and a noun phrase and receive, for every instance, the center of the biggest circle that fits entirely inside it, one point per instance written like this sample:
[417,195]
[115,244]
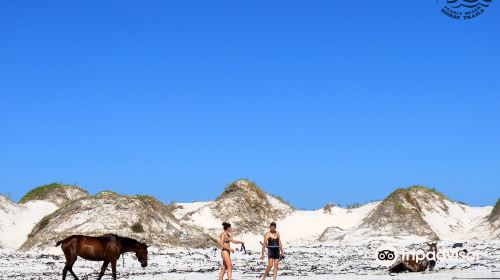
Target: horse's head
[131,245]
[433,249]
[141,253]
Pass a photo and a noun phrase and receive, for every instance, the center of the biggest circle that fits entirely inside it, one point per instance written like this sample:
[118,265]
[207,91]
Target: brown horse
[411,264]
[107,248]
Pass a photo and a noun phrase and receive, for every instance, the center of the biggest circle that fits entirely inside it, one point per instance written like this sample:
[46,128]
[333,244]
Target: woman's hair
[273,224]
[226,225]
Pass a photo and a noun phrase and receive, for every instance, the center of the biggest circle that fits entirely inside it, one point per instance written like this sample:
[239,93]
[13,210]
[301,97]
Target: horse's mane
[124,240]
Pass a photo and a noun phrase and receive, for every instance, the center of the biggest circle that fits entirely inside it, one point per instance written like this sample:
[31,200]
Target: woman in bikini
[272,241]
[225,243]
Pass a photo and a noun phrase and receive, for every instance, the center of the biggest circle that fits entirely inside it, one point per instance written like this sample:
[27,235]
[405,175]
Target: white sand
[462,222]
[17,221]
[341,261]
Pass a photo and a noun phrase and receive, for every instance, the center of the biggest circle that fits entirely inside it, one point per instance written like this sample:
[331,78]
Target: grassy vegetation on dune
[42,224]
[399,196]
[497,206]
[399,192]
[137,228]
[37,191]
[353,205]
[282,200]
[495,213]
[106,192]
[6,195]
[406,193]
[420,197]
[328,207]
[145,198]
[232,187]
[432,190]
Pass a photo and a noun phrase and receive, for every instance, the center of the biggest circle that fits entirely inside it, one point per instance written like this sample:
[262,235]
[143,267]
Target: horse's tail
[59,243]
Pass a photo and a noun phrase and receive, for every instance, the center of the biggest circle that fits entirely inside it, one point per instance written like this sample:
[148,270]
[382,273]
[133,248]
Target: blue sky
[322,101]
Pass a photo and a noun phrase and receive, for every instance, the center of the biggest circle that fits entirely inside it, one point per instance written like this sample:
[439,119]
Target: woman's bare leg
[275,270]
[223,267]
[268,268]
[230,269]
[222,271]
[228,266]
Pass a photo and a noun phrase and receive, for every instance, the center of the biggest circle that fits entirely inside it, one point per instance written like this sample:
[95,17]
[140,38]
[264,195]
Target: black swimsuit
[273,248]
[226,241]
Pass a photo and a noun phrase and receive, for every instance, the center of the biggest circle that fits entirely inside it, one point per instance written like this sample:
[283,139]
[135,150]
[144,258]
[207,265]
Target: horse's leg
[65,271]
[398,266]
[70,267]
[72,273]
[103,269]
[113,267]
[70,261]
[392,268]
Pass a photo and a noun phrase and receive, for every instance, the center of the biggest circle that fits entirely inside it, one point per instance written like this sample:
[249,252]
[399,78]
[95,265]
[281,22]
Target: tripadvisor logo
[464,9]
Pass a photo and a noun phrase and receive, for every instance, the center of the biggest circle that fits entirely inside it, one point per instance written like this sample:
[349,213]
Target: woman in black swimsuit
[225,244]
[272,241]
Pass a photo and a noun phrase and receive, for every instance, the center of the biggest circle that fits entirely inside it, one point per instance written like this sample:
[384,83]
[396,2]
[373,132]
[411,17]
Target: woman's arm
[264,245]
[281,246]
[236,241]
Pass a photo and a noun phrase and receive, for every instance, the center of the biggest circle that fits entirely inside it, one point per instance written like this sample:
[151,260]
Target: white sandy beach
[340,261]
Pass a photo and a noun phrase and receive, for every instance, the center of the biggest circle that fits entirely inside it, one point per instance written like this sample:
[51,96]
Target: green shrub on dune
[34,193]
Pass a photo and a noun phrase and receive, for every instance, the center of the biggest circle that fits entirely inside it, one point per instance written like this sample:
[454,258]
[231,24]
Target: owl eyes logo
[386,255]
[464,9]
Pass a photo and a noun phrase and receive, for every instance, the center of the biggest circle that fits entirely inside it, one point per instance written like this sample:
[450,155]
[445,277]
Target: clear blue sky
[320,101]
